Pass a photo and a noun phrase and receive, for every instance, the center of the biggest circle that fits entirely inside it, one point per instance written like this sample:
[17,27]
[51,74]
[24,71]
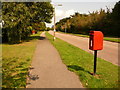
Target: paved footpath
[47,69]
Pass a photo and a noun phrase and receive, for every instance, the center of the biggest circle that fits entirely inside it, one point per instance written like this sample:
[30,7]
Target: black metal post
[95,61]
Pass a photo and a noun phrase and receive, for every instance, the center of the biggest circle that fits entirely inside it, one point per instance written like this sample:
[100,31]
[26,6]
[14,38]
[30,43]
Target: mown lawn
[16,60]
[81,63]
[111,39]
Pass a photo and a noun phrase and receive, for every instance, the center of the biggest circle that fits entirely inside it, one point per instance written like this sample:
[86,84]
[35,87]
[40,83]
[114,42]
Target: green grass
[16,60]
[80,35]
[111,39]
[81,63]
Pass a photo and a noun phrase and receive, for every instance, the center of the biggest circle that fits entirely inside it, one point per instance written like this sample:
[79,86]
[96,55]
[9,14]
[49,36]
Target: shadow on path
[77,68]
[32,77]
[37,37]
[41,38]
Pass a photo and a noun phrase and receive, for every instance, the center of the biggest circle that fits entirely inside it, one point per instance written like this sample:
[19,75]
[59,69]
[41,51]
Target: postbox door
[91,42]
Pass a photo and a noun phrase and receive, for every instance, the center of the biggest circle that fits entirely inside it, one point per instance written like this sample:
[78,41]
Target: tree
[105,21]
[115,19]
[20,15]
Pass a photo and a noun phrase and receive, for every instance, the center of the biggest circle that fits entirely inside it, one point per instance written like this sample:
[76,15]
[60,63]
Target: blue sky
[69,7]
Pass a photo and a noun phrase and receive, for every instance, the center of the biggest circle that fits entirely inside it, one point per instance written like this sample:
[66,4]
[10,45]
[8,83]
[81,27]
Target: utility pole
[54,24]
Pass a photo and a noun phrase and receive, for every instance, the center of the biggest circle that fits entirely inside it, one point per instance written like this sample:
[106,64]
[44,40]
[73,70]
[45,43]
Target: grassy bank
[16,60]
[111,39]
[81,63]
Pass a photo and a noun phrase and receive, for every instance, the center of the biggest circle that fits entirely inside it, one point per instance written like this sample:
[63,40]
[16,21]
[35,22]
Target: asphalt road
[109,52]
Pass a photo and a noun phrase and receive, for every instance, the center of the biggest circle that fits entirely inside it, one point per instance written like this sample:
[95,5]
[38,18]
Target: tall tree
[115,16]
[19,15]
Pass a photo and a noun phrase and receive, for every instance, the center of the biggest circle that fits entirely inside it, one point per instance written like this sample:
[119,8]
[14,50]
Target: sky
[69,7]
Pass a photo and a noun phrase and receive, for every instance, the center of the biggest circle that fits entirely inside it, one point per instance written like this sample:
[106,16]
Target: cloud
[69,12]
[59,13]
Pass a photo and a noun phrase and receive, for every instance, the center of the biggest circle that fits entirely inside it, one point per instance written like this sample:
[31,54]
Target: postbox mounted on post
[96,40]
[95,43]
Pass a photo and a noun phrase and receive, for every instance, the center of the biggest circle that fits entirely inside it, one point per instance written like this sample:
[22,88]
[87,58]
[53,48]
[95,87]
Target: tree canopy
[18,16]
[105,21]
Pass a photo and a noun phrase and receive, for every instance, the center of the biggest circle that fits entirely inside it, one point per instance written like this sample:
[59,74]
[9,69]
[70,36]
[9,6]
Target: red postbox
[33,31]
[96,40]
[95,43]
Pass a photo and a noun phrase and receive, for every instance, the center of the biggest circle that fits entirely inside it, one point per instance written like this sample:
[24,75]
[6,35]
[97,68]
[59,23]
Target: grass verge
[81,63]
[111,39]
[16,60]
